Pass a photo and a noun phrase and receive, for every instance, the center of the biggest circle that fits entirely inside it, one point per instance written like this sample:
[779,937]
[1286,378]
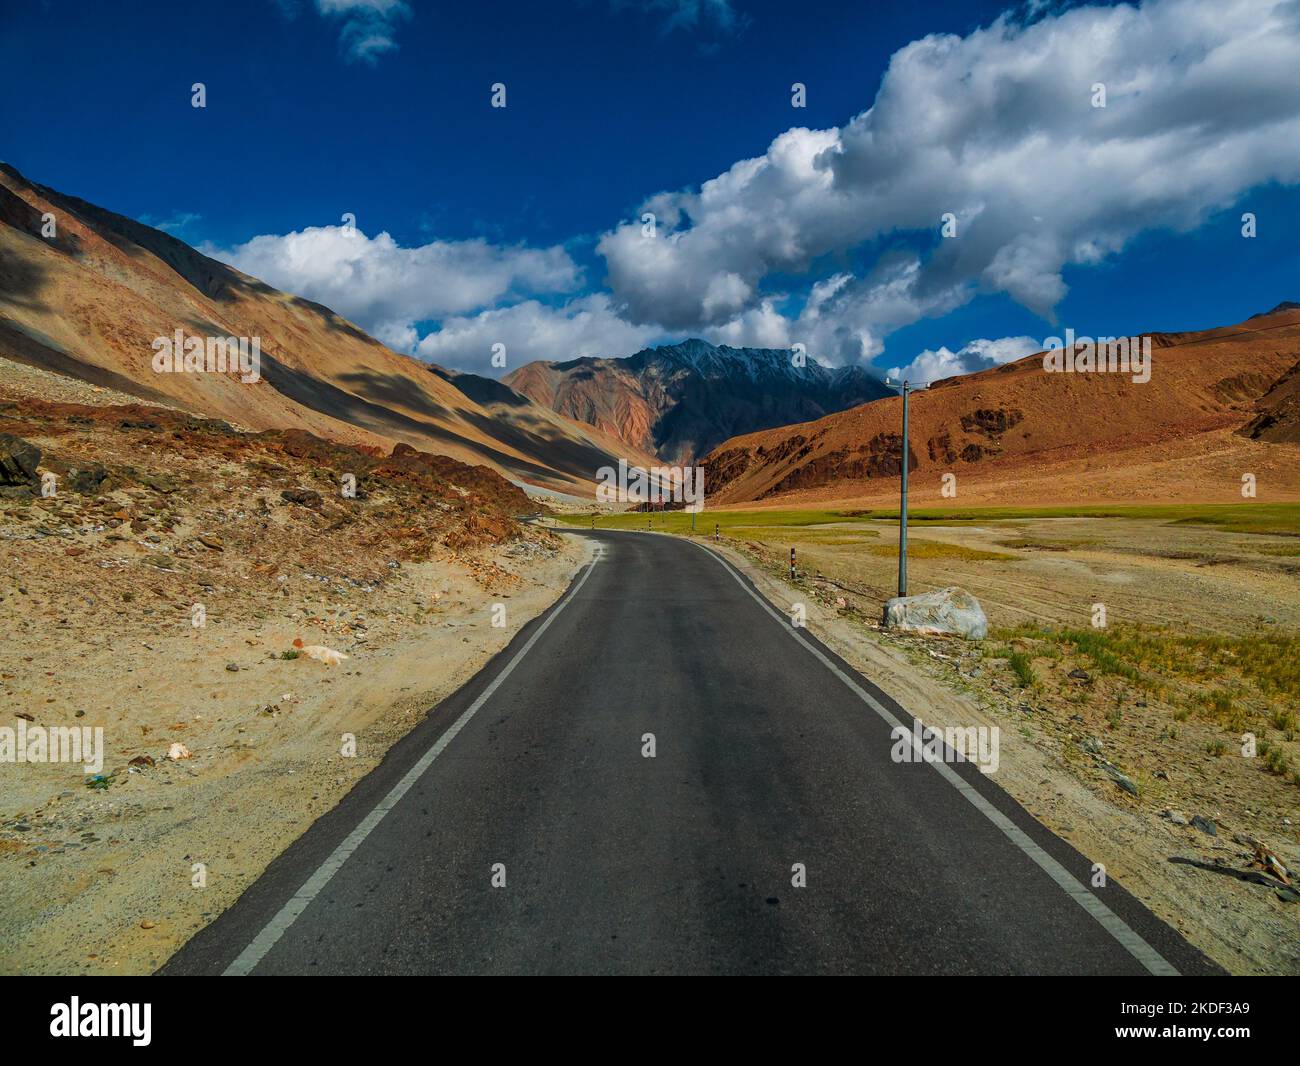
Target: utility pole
[904,389]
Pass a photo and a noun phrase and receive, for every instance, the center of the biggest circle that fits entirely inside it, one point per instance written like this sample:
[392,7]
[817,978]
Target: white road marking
[1154,962]
[288,914]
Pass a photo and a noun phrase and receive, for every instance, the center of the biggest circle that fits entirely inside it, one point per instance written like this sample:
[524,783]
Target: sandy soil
[1046,734]
[101,881]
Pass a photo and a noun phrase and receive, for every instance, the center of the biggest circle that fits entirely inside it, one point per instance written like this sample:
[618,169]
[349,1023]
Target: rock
[1092,745]
[211,540]
[320,653]
[86,479]
[1177,817]
[233,667]
[306,497]
[1079,675]
[1205,826]
[177,752]
[18,460]
[945,612]
[147,924]
[1120,778]
[159,482]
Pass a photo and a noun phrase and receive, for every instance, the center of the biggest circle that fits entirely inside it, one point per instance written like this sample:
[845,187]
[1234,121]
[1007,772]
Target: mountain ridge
[1221,402]
[679,400]
[89,301]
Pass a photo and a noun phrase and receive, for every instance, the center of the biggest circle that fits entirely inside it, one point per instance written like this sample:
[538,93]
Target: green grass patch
[1023,668]
[1232,680]
[938,549]
[1246,517]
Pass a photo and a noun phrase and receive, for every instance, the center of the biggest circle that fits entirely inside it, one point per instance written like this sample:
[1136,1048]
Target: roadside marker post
[792,563]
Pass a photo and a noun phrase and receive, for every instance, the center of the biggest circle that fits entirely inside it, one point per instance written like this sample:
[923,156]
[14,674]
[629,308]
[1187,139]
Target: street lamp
[904,388]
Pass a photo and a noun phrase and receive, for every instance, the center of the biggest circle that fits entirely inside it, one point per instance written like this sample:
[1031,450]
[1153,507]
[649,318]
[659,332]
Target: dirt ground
[156,515]
[1060,735]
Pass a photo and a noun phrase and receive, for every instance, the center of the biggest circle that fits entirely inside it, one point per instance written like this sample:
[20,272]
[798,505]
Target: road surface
[770,753]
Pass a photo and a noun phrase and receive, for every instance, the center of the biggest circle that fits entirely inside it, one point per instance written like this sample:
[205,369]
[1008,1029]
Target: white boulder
[944,612]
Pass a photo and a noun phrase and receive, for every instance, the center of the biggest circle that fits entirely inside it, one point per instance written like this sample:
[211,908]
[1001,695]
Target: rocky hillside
[681,400]
[89,300]
[1210,393]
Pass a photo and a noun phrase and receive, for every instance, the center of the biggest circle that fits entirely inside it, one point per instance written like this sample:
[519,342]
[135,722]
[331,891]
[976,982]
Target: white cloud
[386,289]
[691,15]
[998,128]
[368,27]
[977,355]
[532,330]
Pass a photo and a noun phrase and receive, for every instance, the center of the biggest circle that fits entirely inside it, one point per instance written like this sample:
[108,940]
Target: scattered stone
[1120,778]
[1205,825]
[1079,675]
[163,483]
[1092,745]
[305,497]
[18,460]
[211,540]
[233,667]
[86,480]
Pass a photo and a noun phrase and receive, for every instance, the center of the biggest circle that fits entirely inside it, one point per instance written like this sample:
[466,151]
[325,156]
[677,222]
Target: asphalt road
[769,752]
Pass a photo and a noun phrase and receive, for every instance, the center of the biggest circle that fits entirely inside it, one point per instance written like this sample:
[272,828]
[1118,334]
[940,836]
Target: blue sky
[774,224]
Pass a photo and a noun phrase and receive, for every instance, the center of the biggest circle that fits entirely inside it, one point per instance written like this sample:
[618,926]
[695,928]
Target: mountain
[90,300]
[680,400]
[1219,404]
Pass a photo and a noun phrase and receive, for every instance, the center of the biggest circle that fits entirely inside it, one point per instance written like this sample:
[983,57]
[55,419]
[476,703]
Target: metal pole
[902,510]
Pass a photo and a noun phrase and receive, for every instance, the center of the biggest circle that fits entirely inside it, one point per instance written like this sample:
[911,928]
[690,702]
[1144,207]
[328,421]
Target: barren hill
[678,401]
[1219,404]
[89,301]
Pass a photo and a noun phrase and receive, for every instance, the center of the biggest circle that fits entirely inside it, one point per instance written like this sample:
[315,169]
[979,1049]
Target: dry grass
[939,549]
[1243,684]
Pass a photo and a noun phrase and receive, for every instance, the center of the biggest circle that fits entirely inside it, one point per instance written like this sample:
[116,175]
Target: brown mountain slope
[680,400]
[90,301]
[1017,434]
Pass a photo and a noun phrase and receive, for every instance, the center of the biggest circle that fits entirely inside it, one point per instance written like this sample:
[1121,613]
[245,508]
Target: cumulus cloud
[999,129]
[387,289]
[933,365]
[533,330]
